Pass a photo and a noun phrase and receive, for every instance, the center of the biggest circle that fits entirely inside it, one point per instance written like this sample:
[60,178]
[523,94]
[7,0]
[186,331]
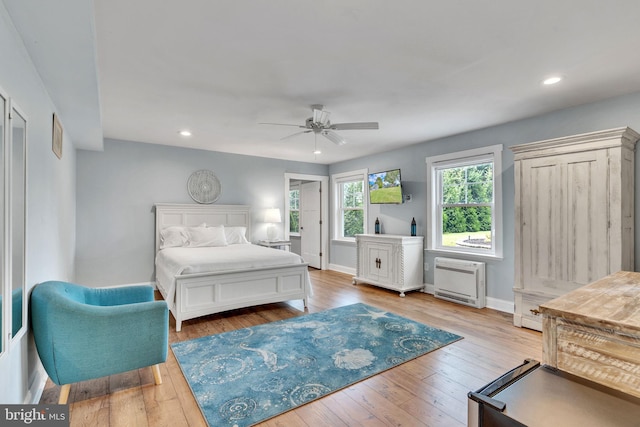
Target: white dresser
[390,261]
[574,215]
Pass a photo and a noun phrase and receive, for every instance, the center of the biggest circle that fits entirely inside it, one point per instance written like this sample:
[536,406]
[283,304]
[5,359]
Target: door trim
[324,211]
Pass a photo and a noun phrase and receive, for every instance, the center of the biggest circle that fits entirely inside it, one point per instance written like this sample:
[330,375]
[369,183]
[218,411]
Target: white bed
[197,281]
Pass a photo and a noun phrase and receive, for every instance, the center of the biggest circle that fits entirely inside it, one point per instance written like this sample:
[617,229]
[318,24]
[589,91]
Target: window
[465,202]
[350,204]
[294,209]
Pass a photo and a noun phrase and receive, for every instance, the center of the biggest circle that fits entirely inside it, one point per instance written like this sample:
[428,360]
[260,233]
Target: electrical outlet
[426,266]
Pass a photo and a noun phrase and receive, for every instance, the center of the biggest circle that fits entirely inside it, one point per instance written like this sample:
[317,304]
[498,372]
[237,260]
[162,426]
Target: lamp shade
[272,215]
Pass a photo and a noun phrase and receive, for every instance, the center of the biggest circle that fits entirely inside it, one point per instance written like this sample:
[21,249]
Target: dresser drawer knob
[534,311]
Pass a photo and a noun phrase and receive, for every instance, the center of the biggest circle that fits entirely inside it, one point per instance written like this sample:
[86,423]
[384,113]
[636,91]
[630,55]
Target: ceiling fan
[319,124]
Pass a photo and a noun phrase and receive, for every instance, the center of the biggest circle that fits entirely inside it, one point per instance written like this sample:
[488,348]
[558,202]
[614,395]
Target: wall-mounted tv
[385,187]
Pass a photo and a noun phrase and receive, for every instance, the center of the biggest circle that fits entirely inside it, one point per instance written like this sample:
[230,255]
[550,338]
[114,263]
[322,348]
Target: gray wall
[50,222]
[118,188]
[615,112]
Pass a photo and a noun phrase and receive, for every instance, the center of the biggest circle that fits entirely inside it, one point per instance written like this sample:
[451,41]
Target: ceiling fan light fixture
[320,116]
[552,80]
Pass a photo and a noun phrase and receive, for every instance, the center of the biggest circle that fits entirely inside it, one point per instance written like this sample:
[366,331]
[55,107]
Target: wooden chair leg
[64,394]
[156,374]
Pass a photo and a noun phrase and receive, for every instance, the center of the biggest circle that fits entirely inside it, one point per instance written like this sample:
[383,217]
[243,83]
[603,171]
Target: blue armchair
[85,333]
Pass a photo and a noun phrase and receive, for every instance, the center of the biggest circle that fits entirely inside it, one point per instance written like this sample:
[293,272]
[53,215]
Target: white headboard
[168,214]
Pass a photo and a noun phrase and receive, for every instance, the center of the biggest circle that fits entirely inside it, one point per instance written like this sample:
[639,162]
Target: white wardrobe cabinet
[390,261]
[574,215]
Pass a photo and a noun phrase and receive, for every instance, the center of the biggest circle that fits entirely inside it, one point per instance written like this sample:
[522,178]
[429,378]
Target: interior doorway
[310,222]
[313,214]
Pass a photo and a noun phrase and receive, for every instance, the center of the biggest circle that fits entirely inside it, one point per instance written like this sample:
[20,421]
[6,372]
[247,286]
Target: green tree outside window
[294,211]
[352,208]
[467,200]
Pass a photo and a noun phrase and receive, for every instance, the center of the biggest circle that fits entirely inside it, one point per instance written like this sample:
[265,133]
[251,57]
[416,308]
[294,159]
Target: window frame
[337,181]
[474,156]
[294,187]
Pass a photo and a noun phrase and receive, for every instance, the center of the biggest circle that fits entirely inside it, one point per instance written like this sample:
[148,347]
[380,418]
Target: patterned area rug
[243,377]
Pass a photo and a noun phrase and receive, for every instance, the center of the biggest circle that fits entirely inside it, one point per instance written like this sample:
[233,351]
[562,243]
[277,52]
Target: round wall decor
[204,186]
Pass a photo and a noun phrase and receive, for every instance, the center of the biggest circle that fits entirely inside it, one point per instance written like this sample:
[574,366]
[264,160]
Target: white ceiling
[423,69]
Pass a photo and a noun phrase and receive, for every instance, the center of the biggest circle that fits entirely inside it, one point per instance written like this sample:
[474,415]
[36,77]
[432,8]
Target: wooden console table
[594,332]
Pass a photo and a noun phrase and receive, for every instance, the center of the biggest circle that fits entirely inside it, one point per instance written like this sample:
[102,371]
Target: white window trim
[336,180]
[493,152]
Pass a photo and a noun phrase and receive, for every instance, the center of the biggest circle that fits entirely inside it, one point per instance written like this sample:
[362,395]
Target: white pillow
[172,237]
[236,235]
[206,236]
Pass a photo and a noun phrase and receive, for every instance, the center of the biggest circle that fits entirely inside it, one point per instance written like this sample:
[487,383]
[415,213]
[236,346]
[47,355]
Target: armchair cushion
[83,333]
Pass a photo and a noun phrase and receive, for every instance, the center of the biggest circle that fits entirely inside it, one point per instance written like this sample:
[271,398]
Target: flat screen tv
[385,187]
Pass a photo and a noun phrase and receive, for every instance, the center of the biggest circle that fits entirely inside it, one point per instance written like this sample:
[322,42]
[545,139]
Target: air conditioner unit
[460,281]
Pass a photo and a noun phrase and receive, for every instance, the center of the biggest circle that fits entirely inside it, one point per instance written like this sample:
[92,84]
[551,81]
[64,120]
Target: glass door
[17,219]
[4,300]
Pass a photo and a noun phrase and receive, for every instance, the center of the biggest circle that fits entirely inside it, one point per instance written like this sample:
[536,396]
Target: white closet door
[310,223]
[565,221]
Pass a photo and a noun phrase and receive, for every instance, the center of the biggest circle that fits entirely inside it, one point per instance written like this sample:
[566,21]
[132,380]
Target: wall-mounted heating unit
[460,281]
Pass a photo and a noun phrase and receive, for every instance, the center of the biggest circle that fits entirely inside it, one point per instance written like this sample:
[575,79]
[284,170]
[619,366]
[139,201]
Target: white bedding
[172,262]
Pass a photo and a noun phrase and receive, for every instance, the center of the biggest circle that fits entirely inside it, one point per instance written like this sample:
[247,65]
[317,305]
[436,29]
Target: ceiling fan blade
[282,124]
[294,134]
[333,137]
[354,126]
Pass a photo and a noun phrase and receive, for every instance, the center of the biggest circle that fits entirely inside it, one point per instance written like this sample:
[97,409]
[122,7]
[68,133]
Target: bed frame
[208,293]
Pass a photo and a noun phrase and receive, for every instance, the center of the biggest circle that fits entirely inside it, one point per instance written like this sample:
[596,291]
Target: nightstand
[284,245]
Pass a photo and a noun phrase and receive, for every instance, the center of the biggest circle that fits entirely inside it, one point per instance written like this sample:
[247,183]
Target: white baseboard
[133,284]
[493,303]
[34,394]
[500,305]
[342,269]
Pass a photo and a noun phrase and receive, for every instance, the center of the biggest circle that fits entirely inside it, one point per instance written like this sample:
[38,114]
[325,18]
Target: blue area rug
[246,376]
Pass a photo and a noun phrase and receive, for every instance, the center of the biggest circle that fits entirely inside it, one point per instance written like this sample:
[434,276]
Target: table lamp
[272,216]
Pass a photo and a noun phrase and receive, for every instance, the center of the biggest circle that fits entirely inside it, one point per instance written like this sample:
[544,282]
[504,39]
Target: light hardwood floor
[428,391]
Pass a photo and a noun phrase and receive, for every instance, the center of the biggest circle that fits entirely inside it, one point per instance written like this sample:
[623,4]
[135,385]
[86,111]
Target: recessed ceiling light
[185,132]
[317,152]
[551,80]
